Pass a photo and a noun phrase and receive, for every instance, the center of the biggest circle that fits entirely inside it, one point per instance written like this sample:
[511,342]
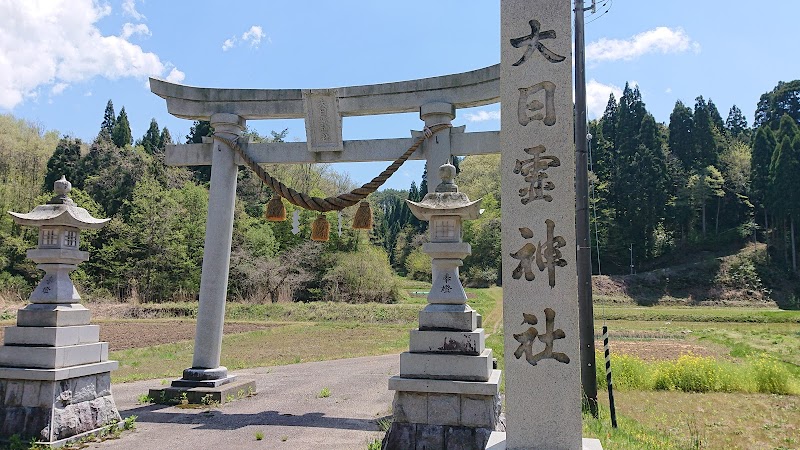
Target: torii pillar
[207,376]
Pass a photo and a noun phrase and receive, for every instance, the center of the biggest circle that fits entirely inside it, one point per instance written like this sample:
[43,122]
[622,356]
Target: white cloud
[228,44]
[668,90]
[175,76]
[253,36]
[482,116]
[658,40]
[129,9]
[87,94]
[58,88]
[597,97]
[130,29]
[67,47]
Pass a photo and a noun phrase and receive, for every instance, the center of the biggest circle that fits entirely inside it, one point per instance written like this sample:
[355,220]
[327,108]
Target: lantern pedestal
[448,391]
[55,376]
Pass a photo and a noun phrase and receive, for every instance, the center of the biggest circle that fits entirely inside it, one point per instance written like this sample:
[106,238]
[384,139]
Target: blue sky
[61,61]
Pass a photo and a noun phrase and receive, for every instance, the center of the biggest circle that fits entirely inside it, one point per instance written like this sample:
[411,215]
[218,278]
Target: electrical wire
[606,4]
[596,226]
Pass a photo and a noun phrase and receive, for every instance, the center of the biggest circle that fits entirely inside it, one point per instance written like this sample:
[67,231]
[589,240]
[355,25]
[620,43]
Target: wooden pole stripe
[607,351]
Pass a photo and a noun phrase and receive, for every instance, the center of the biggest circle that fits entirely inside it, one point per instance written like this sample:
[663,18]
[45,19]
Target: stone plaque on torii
[533,81]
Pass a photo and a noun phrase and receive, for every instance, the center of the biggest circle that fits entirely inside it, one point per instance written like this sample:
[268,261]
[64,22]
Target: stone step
[446,367]
[52,336]
[448,317]
[53,357]
[53,315]
[450,342]
[489,387]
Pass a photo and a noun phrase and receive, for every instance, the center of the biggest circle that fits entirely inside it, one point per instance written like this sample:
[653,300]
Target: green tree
[64,162]
[705,136]
[164,139]
[151,141]
[787,128]
[736,124]
[680,134]
[764,146]
[714,115]
[783,99]
[784,174]
[109,120]
[703,187]
[121,135]
[199,130]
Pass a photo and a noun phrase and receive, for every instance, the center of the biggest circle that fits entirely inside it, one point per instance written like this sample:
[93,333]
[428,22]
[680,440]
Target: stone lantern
[55,376]
[447,394]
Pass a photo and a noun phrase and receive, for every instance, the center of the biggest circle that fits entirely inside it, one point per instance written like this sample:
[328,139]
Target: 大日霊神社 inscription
[538,211]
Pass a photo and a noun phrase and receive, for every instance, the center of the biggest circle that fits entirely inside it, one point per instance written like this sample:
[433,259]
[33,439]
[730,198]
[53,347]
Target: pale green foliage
[735,161]
[479,177]
[361,276]
[418,265]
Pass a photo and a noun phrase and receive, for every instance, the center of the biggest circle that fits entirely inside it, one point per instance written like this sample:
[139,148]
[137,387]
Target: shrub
[418,266]
[360,277]
[480,277]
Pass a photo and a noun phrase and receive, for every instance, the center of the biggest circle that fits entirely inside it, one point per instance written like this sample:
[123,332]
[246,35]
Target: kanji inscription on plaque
[529,109]
[533,169]
[545,255]
[528,338]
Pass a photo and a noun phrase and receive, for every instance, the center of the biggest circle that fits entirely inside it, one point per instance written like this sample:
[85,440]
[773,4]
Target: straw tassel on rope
[320,229]
[275,211]
[363,217]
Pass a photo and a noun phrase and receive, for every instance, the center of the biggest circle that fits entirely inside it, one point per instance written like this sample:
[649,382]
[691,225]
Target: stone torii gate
[436,100]
[540,306]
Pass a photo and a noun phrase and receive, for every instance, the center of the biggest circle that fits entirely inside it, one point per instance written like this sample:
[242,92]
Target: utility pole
[584,256]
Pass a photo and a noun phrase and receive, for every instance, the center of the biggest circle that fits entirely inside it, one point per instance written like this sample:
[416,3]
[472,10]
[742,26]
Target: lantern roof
[446,200]
[59,211]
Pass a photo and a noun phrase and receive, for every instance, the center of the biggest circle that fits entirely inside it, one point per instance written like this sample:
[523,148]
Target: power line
[607,4]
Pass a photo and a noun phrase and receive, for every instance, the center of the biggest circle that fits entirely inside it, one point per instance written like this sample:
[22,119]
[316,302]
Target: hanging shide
[275,211]
[320,229]
[363,217]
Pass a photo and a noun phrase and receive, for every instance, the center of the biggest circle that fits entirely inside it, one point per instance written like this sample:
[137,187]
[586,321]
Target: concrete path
[286,410]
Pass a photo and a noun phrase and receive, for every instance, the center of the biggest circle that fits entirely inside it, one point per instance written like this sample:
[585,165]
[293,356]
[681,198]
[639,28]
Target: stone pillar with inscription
[447,394]
[55,376]
[540,303]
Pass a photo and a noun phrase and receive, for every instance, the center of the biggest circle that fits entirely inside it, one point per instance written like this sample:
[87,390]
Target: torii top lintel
[462,90]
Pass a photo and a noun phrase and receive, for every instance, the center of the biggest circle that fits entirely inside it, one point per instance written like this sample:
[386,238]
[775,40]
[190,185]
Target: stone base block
[52,336]
[204,395]
[497,441]
[53,357]
[458,342]
[468,410]
[405,436]
[446,367]
[53,315]
[448,317]
[50,411]
[22,373]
